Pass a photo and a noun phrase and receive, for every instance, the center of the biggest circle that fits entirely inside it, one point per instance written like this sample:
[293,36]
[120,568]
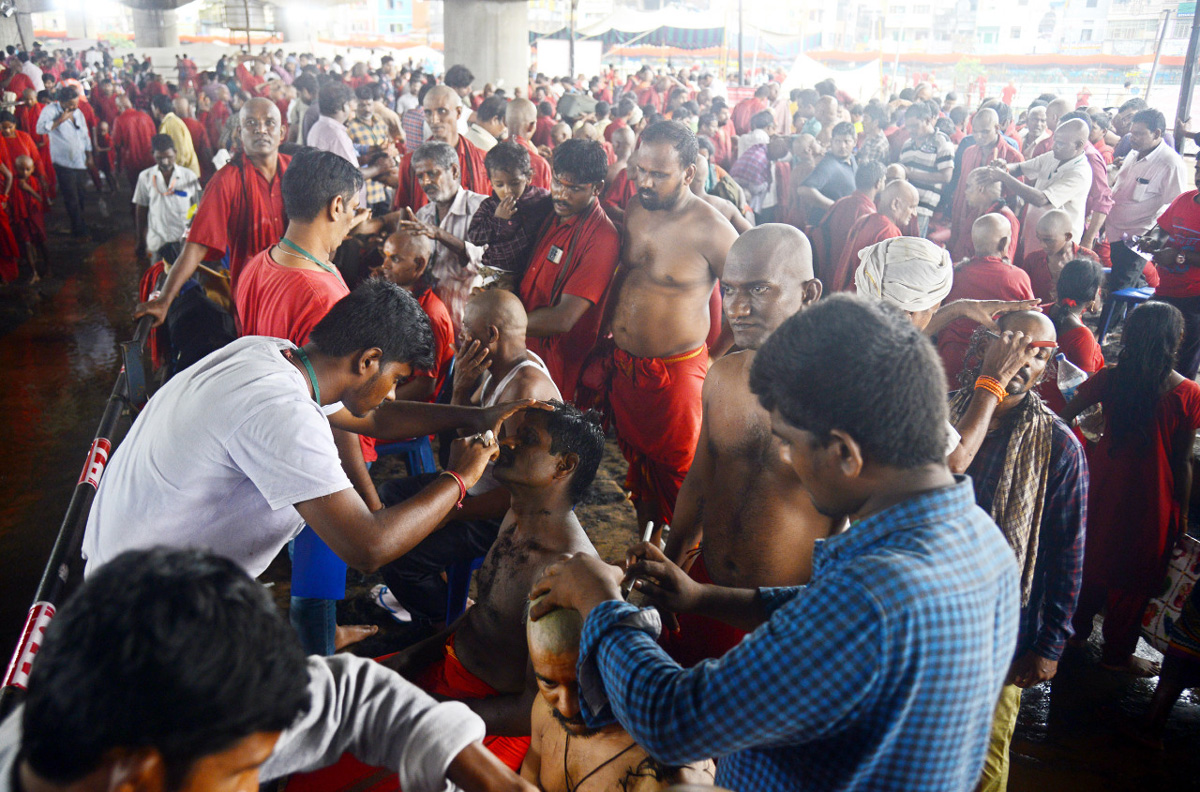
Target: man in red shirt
[896,205]
[442,108]
[521,119]
[1178,265]
[830,234]
[131,136]
[13,79]
[241,212]
[749,107]
[283,292]
[572,265]
[987,276]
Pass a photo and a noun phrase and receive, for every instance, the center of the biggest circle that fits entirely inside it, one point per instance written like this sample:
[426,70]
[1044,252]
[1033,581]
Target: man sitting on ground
[493,366]
[233,700]
[742,519]
[607,756]
[546,465]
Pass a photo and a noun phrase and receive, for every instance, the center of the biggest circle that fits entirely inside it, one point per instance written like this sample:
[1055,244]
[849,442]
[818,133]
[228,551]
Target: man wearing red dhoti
[131,135]
[896,206]
[241,212]
[990,275]
[989,146]
[572,266]
[830,235]
[442,109]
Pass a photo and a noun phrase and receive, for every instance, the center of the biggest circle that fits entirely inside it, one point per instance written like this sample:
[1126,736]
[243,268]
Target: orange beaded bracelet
[992,386]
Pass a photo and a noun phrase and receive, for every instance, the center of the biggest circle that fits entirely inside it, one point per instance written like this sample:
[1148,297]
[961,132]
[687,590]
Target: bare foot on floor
[350,634]
[1136,666]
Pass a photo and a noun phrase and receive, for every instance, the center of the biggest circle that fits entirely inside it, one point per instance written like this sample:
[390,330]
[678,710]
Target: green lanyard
[312,375]
[285,242]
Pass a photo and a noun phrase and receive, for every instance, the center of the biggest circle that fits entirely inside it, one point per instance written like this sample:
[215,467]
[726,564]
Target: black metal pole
[1183,111]
[126,390]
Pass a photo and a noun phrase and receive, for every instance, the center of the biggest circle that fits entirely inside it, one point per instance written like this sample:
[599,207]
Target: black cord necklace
[567,775]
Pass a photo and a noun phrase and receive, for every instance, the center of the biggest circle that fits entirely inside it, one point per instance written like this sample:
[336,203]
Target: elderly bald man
[443,107]
[895,207]
[241,211]
[756,522]
[1058,179]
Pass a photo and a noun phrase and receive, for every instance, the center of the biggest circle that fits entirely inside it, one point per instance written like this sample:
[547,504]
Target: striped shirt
[929,155]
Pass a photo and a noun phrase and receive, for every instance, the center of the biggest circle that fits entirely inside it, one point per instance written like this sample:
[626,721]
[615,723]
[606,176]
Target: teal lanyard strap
[285,242]
[312,375]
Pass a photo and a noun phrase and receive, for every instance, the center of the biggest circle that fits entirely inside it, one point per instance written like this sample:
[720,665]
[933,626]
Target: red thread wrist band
[462,487]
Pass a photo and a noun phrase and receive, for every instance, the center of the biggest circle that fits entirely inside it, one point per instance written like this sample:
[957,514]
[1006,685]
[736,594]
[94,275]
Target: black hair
[1150,343]
[602,109]
[842,129]
[877,113]
[458,76]
[313,179]
[958,114]
[1134,105]
[762,119]
[425,88]
[826,87]
[707,119]
[807,96]
[159,142]
[951,96]
[545,109]
[380,314]
[332,97]
[178,650]
[493,107]
[573,431]
[869,174]
[306,82]
[66,93]
[677,135]
[625,107]
[1003,115]
[369,92]
[907,94]
[859,366]
[161,103]
[1152,119]
[706,144]
[7,117]
[1076,286]
[919,111]
[509,157]
[1078,115]
[583,160]
[762,90]
[1104,120]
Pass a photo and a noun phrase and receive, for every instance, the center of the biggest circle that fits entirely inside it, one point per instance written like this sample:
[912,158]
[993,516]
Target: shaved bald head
[497,308]
[520,116]
[622,141]
[1056,110]
[986,127]
[898,201]
[1054,230]
[442,93]
[416,244]
[768,277]
[1070,138]
[259,104]
[183,108]
[261,128]
[556,633]
[990,235]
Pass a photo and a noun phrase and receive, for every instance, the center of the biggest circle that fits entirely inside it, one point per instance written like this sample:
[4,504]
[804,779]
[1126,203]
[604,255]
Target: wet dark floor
[58,359]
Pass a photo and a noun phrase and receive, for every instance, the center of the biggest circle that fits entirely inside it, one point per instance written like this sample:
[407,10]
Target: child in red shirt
[27,209]
[104,160]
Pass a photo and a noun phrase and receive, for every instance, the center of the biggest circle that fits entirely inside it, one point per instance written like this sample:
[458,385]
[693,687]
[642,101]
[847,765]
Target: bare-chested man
[482,659]
[674,252]
[756,523]
[564,753]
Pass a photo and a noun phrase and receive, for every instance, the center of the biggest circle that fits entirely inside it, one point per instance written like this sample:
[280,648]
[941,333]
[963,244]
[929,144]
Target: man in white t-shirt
[163,196]
[235,453]
[1061,179]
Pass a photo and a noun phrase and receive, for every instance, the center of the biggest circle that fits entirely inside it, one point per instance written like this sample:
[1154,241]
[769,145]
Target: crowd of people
[848,352]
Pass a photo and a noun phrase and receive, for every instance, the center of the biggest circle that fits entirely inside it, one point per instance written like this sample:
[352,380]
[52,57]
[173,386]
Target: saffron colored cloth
[28,212]
[655,406]
[867,230]
[473,176]
[921,600]
[131,135]
[620,192]
[1037,267]
[830,235]
[9,251]
[981,278]
[700,638]
[240,213]
[576,256]
[1135,517]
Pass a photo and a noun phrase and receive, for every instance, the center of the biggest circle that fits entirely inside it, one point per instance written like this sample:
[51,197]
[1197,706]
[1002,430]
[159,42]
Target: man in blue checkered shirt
[883,673]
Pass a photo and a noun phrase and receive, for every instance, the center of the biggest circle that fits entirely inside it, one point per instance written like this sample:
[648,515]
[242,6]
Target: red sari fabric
[642,393]
[1131,506]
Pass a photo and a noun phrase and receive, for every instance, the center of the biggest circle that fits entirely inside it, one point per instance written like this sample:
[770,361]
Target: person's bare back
[671,259]
[490,639]
[759,525]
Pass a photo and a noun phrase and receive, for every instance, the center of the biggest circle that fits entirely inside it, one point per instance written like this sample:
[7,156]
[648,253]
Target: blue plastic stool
[458,583]
[418,454]
[1121,301]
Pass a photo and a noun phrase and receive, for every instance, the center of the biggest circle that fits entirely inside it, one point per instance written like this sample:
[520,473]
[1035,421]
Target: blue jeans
[315,620]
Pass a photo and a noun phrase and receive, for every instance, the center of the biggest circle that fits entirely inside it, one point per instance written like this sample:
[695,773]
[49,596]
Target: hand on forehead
[1034,324]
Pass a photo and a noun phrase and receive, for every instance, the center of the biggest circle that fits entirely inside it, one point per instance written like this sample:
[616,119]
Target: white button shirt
[1144,187]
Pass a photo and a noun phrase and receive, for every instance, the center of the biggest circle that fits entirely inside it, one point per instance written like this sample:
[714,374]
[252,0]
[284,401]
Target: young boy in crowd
[510,220]
[27,207]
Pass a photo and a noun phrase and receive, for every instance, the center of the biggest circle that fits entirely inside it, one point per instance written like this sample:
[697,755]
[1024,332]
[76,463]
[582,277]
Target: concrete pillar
[295,24]
[77,21]
[155,28]
[16,31]
[491,38]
